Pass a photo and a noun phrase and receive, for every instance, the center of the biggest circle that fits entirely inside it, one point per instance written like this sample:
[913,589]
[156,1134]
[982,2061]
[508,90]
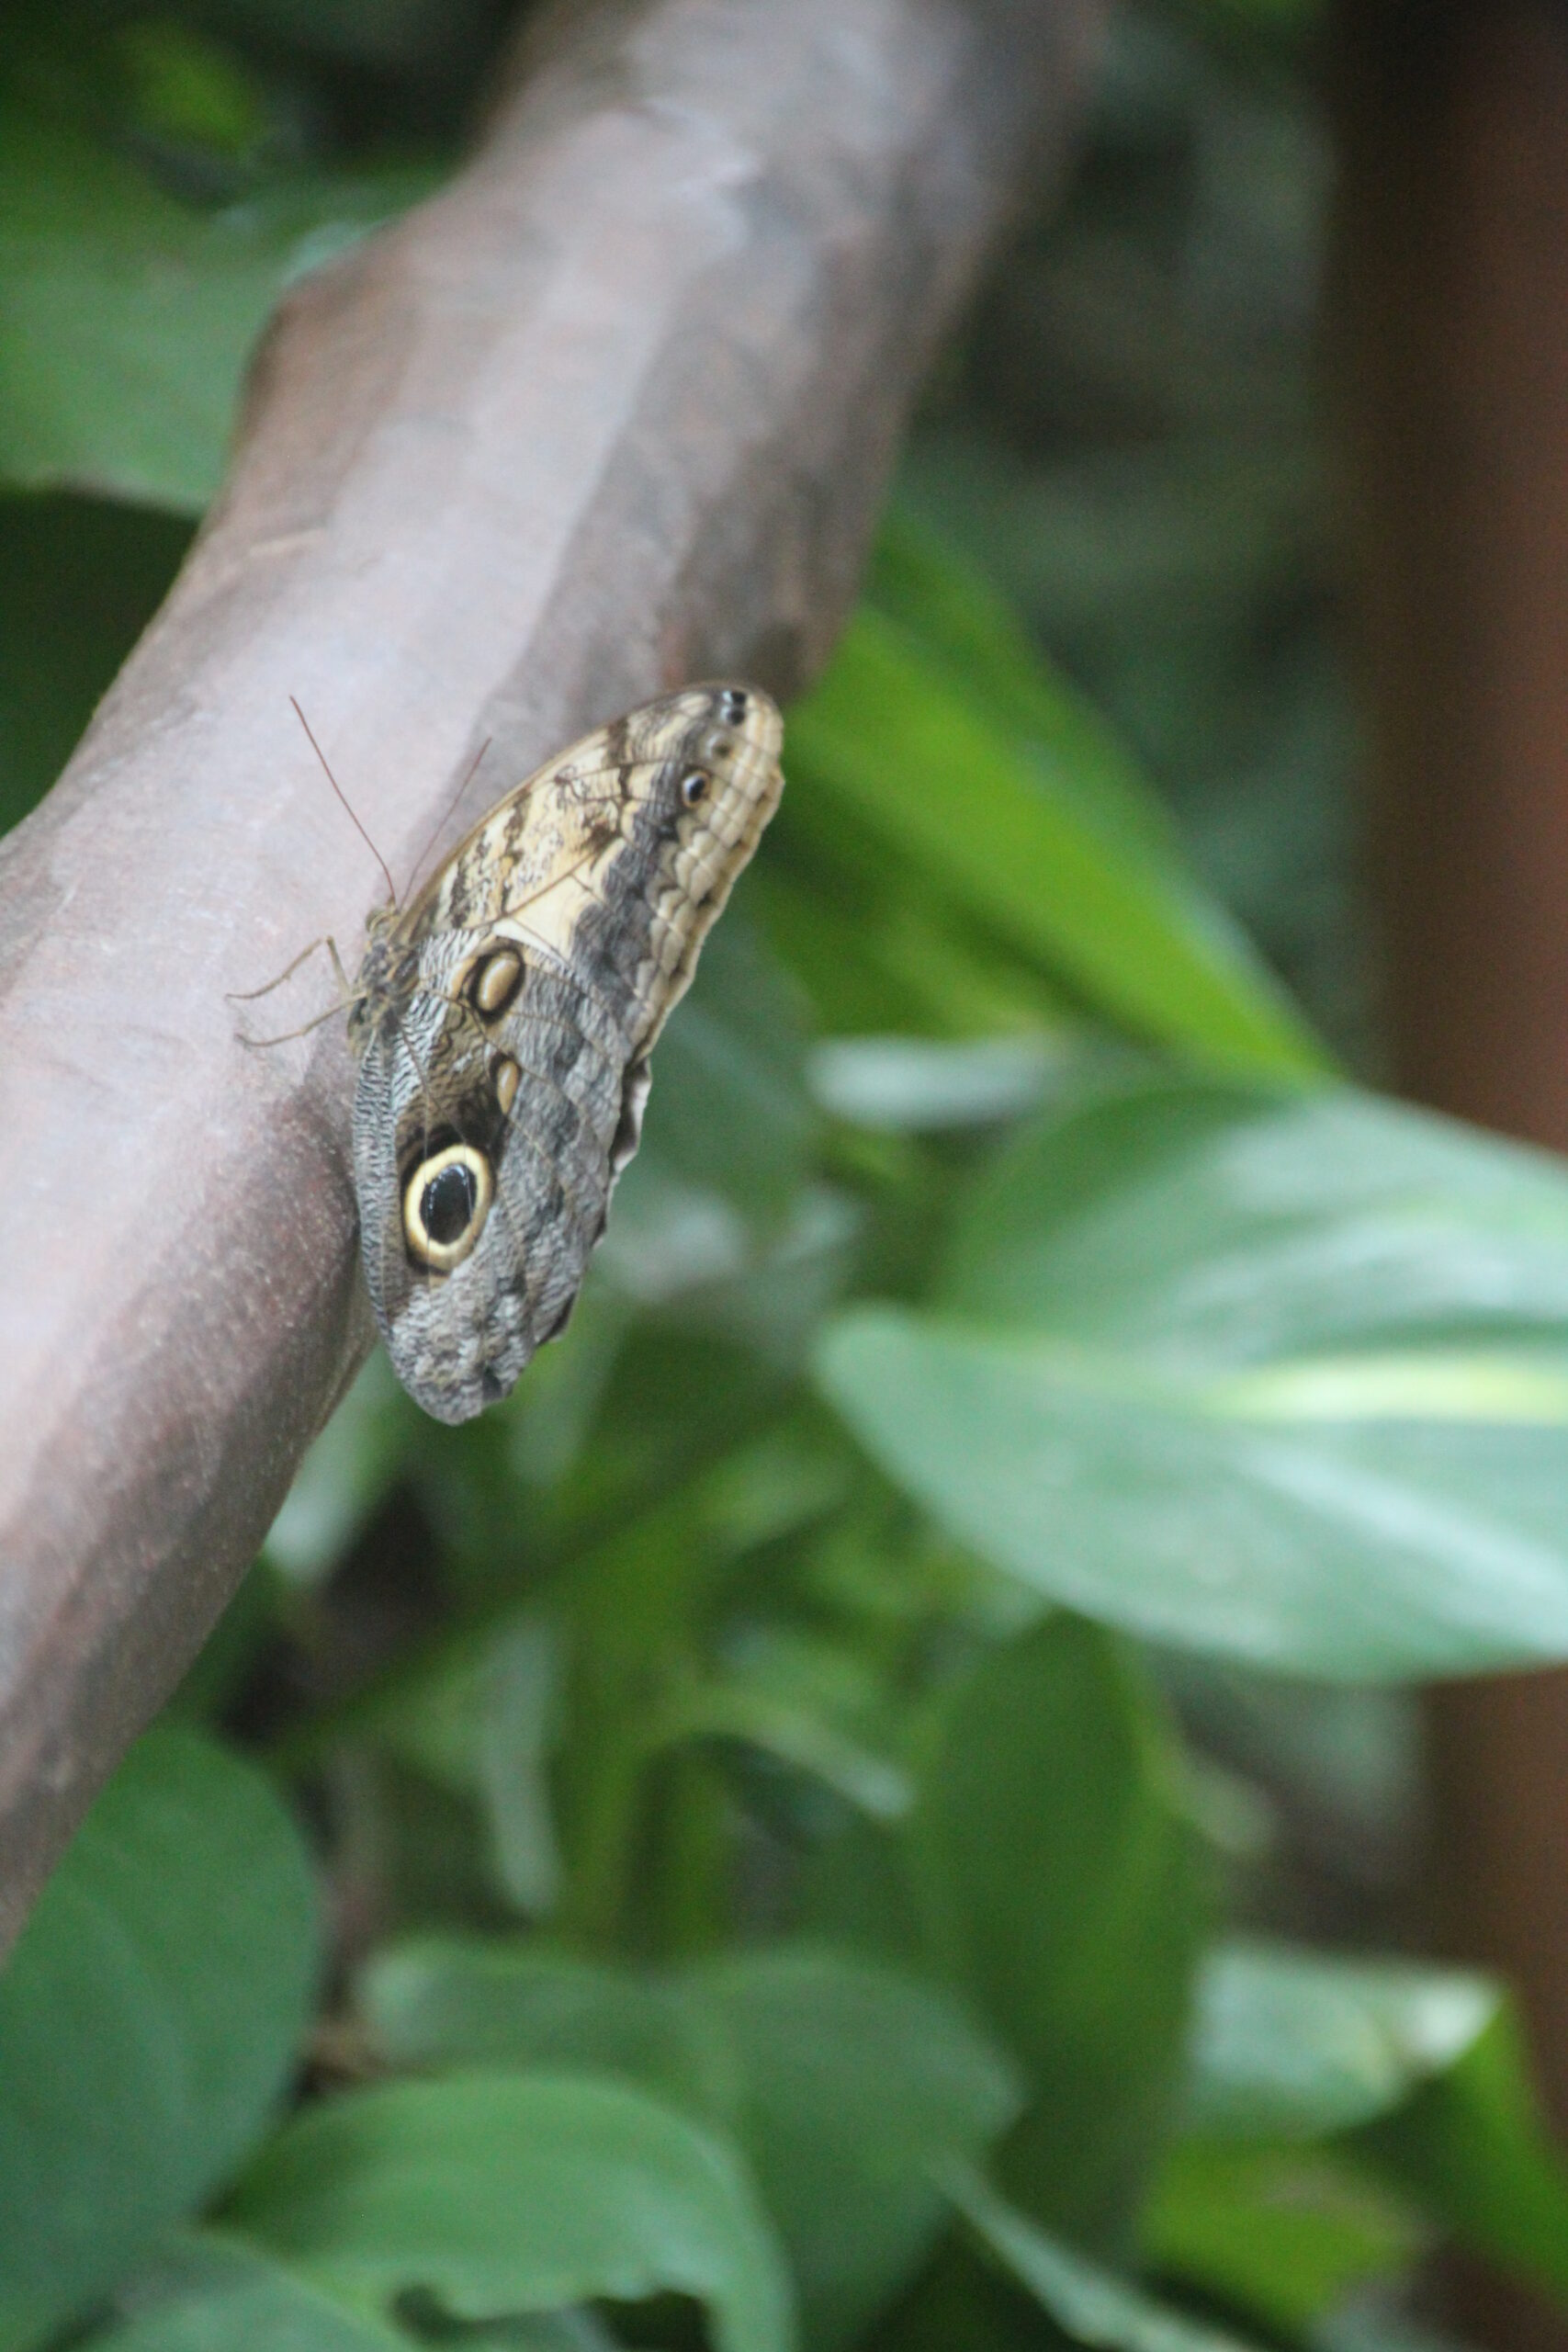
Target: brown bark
[614,411]
[1452,305]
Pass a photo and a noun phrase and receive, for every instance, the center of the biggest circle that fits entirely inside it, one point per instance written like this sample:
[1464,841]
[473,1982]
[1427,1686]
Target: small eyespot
[507,1076]
[495,981]
[694,786]
[732,705]
[445,1202]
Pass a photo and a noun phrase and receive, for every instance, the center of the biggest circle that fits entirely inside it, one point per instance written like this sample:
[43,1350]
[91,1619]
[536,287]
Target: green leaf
[855,2086]
[909,1084]
[1283,1377]
[739,1707]
[479,1719]
[1290,2043]
[1284,2231]
[1057,1887]
[484,2001]
[874,945]
[210,2293]
[844,2083]
[127,318]
[1471,2147]
[345,1476]
[518,2193]
[921,581]
[921,758]
[149,2017]
[1380,2322]
[1090,2304]
[716,1220]
[730,1110]
[1418,2070]
[186,90]
[1245,1225]
[79,582]
[218,1674]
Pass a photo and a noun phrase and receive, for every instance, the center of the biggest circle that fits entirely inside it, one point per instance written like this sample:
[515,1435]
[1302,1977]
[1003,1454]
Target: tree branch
[614,411]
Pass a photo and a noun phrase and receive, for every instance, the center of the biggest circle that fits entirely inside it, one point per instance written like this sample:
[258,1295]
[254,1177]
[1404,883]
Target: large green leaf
[1246,1227]
[717,1221]
[845,2085]
[494,2194]
[127,317]
[1290,2043]
[1471,2147]
[442,2001]
[855,2088]
[877,946]
[908,1084]
[1286,2231]
[1056,1883]
[921,579]
[922,761]
[209,2293]
[1290,2047]
[1417,2071]
[1090,2304]
[149,2017]
[730,1110]
[1279,1376]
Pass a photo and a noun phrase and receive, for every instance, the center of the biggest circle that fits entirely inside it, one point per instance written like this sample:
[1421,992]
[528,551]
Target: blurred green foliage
[813,1823]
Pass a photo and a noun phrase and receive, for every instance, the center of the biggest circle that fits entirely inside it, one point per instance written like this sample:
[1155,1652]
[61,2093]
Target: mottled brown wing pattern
[502,1023]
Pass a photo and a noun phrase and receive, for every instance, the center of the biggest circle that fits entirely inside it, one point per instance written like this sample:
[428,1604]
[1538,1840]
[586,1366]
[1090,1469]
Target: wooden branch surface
[614,411]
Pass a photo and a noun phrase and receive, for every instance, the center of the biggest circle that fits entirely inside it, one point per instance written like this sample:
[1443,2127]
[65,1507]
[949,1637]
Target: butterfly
[502,1020]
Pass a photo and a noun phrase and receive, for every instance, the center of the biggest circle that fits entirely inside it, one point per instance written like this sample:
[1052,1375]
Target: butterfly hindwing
[503,1021]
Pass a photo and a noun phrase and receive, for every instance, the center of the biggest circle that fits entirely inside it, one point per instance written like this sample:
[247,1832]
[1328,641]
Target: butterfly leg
[337,968]
[287,1035]
[249,996]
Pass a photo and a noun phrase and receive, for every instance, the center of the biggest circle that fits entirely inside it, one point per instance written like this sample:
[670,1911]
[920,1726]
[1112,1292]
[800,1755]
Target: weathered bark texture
[1451,311]
[615,411]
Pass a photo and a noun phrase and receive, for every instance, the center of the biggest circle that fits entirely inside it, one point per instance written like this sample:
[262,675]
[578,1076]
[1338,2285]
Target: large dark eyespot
[445,1202]
[694,786]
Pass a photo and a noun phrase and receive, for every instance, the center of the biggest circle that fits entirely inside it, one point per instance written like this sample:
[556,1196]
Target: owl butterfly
[503,1020]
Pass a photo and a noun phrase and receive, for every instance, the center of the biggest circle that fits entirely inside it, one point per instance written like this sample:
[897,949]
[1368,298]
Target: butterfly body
[501,1024]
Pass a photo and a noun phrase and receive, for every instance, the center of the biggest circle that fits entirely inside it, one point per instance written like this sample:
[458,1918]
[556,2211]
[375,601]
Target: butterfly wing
[505,1022]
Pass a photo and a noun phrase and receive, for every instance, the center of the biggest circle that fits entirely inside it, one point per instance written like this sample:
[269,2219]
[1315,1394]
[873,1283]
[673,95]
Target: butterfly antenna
[469,774]
[391,886]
